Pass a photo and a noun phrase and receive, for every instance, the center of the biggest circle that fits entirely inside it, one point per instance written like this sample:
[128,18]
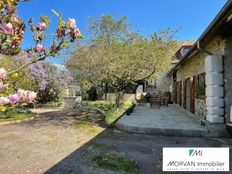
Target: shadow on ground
[144,150]
[58,117]
[69,142]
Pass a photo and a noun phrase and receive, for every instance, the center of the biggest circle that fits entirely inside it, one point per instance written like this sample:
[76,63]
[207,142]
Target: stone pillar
[214,89]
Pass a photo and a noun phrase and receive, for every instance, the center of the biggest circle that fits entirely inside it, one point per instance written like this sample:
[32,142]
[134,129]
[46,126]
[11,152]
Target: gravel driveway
[52,143]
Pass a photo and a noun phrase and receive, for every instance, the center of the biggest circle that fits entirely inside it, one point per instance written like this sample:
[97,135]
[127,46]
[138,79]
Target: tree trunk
[106,90]
[119,98]
[105,95]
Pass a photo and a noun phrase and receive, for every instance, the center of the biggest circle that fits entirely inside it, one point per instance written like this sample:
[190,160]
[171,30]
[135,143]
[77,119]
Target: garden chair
[164,100]
[155,101]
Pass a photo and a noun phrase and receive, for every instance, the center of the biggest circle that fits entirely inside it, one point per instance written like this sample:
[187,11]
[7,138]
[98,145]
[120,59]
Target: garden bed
[16,118]
[113,115]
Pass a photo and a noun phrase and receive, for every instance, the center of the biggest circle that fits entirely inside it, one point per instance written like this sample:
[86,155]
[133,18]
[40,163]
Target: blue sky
[148,16]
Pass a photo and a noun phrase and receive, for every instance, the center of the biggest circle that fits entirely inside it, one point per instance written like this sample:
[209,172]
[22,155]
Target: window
[185,50]
[200,86]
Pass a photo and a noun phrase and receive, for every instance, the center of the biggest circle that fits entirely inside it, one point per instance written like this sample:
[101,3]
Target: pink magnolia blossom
[39,48]
[4,101]
[10,9]
[77,32]
[3,73]
[20,97]
[8,28]
[42,26]
[2,86]
[72,23]
[15,17]
[14,98]
[21,94]
[31,96]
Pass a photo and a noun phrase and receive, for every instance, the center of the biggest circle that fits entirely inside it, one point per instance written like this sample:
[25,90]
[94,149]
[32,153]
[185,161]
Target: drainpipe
[202,49]
[231,113]
[214,86]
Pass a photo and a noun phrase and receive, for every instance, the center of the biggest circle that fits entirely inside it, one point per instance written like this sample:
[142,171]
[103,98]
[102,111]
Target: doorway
[188,94]
[179,92]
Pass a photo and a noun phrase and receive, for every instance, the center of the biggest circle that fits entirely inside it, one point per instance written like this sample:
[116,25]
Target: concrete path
[171,120]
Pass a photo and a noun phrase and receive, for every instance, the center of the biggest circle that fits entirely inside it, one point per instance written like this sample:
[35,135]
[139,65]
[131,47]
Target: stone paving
[171,120]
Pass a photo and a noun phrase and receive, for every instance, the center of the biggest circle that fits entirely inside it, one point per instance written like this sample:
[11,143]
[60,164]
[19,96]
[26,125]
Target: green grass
[15,116]
[83,124]
[55,103]
[51,104]
[103,105]
[86,128]
[115,113]
[116,162]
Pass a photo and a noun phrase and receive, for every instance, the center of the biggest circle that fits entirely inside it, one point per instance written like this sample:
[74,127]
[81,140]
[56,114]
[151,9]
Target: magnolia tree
[12,30]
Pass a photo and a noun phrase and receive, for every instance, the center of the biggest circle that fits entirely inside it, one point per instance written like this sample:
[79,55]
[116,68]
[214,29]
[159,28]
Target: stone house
[164,83]
[202,79]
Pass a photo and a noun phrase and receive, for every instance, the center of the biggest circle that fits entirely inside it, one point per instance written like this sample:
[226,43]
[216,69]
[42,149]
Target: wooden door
[188,90]
[179,93]
[184,94]
[193,95]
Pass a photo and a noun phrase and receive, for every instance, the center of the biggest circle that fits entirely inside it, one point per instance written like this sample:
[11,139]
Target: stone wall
[228,77]
[71,102]
[163,83]
[200,107]
[195,66]
[112,97]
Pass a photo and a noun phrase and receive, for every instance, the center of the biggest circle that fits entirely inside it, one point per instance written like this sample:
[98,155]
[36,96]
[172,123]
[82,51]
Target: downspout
[202,49]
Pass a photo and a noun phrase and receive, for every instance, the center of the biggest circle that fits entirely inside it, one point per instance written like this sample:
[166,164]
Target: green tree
[126,59]
[107,29]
